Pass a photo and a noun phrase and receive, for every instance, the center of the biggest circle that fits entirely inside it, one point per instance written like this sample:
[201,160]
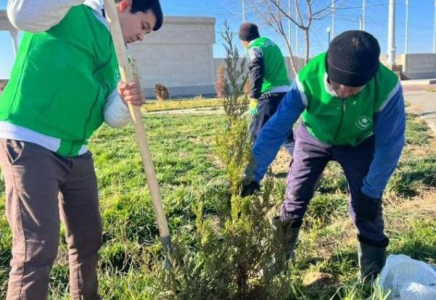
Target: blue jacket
[389,130]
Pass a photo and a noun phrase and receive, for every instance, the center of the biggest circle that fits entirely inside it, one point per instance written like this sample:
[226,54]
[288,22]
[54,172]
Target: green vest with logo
[275,73]
[61,80]
[337,121]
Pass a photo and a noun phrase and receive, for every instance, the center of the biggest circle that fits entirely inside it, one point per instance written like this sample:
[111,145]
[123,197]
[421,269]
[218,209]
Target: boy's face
[134,26]
[343,91]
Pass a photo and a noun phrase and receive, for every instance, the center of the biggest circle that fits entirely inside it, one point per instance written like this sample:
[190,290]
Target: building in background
[180,57]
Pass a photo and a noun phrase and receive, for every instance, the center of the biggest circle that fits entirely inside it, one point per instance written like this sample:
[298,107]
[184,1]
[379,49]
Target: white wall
[415,66]
[179,56]
[419,66]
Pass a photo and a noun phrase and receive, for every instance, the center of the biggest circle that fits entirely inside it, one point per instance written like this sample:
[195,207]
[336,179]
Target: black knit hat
[353,58]
[248,32]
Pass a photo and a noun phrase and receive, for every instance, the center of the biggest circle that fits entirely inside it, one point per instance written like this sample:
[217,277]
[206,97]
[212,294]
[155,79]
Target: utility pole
[329,37]
[434,29]
[391,33]
[406,40]
[243,11]
[363,15]
[333,18]
[360,23]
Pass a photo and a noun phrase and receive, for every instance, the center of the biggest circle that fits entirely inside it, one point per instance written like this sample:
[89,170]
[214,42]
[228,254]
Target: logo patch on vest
[364,122]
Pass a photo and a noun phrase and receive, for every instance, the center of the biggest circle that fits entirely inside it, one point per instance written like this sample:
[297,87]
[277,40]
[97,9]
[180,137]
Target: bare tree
[276,14]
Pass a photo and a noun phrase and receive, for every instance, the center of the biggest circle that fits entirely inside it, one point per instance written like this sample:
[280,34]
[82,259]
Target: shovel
[141,136]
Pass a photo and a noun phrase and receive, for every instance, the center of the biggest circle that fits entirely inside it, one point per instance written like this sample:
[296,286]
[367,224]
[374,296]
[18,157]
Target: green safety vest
[275,73]
[61,80]
[337,121]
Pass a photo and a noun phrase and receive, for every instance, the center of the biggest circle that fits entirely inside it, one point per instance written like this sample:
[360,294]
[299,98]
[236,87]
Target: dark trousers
[309,161]
[268,104]
[42,189]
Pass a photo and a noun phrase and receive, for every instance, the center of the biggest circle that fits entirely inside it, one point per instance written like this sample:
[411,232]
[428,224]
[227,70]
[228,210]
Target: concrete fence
[415,66]
[419,66]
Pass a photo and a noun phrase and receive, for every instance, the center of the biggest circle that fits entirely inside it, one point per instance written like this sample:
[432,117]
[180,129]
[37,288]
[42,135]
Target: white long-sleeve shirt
[39,16]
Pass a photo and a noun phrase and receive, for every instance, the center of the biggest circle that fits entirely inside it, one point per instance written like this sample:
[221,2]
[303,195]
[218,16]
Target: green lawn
[152,106]
[188,170]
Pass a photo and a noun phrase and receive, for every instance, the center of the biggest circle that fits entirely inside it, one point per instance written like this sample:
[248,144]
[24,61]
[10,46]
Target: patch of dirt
[216,161]
[414,109]
[281,163]
[345,235]
[319,280]
[422,150]
[421,206]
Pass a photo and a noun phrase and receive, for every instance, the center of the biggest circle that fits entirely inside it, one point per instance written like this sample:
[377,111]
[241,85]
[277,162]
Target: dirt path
[423,103]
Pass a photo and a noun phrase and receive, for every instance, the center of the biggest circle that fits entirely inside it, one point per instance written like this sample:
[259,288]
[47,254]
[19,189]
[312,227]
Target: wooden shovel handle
[126,76]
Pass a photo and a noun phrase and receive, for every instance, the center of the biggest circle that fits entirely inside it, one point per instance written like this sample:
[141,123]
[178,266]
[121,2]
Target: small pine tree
[233,253]
[220,79]
[247,88]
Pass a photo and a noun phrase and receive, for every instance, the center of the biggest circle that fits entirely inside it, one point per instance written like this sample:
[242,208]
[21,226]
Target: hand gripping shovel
[126,76]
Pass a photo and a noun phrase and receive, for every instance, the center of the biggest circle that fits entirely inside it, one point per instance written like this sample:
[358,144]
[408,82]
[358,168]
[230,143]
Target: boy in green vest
[63,86]
[352,112]
[268,77]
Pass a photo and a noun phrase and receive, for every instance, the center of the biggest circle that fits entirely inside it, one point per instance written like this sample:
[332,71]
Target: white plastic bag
[408,279]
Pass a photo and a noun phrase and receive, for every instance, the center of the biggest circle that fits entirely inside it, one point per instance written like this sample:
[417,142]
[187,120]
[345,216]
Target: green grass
[188,170]
[153,106]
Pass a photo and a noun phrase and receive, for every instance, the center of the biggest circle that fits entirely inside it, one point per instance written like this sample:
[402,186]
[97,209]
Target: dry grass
[153,106]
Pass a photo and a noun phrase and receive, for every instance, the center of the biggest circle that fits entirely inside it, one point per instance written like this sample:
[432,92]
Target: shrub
[161,92]
[220,82]
[233,253]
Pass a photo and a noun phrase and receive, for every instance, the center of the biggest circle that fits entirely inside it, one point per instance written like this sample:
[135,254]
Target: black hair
[146,5]
[248,32]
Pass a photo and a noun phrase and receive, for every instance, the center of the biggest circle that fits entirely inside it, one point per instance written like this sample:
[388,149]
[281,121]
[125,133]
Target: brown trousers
[41,189]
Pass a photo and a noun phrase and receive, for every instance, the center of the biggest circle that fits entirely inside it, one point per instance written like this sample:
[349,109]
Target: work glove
[366,208]
[253,107]
[250,188]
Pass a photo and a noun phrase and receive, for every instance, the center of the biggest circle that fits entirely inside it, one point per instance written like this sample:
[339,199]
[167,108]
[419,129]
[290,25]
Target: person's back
[275,72]
[268,76]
